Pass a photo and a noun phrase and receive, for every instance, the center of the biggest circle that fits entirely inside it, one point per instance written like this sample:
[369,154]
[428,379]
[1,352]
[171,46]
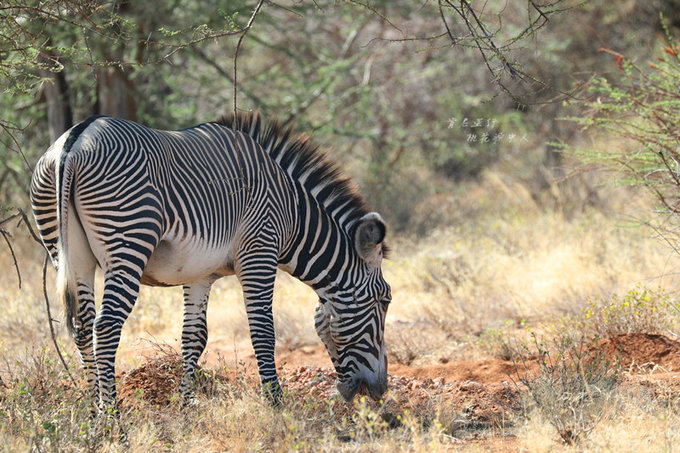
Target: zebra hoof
[189,401]
[274,394]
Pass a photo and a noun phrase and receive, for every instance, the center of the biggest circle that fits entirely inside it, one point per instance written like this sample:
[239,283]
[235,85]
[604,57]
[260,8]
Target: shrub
[639,107]
[640,310]
[500,343]
[572,387]
[41,410]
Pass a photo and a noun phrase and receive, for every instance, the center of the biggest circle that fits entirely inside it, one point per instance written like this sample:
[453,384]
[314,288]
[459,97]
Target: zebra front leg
[257,272]
[194,334]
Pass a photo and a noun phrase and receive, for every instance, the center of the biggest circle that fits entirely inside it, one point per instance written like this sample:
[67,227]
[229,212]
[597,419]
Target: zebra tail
[66,280]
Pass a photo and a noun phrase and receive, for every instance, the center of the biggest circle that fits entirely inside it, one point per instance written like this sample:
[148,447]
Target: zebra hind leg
[120,294]
[83,337]
[84,269]
[194,335]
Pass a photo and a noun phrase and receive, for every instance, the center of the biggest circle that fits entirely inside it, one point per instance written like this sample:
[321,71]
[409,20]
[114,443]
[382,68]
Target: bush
[41,410]
[572,387]
[641,310]
[639,107]
[498,341]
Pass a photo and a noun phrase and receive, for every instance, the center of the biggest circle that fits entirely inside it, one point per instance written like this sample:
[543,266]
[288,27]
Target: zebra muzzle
[357,385]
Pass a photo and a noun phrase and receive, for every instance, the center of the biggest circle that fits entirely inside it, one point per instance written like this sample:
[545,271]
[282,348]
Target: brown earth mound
[638,352]
[153,383]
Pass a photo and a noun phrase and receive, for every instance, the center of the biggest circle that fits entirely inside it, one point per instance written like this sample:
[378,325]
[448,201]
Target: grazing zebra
[236,197]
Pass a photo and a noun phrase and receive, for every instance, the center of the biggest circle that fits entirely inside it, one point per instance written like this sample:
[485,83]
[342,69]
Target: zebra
[239,196]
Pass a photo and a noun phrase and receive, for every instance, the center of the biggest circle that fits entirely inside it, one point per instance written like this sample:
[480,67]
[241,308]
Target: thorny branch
[489,45]
[228,76]
[256,11]
[82,16]
[6,234]
[485,43]
[21,215]
[10,130]
[244,32]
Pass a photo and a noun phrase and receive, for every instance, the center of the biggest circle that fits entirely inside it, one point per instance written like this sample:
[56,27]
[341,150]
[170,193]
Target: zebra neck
[320,250]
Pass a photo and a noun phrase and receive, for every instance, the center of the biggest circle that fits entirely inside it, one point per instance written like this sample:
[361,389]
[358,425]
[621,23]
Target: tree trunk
[59,115]
[115,94]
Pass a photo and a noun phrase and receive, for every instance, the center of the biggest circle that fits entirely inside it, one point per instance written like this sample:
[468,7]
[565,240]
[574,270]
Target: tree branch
[238,47]
[49,320]
[21,215]
[221,71]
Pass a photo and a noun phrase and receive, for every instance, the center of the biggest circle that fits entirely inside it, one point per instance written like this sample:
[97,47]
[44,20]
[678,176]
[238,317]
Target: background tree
[639,106]
[380,82]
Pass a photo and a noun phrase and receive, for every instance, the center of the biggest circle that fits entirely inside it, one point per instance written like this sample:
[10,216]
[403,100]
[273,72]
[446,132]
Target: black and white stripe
[187,207]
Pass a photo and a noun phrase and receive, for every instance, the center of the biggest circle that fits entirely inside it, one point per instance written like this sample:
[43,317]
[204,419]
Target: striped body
[187,207]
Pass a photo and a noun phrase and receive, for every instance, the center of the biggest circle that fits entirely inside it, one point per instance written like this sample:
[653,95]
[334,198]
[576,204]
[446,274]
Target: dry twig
[243,32]
[21,215]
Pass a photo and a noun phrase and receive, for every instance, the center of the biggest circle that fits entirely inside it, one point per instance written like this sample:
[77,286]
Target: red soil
[483,371]
[154,382]
[482,391]
[639,352]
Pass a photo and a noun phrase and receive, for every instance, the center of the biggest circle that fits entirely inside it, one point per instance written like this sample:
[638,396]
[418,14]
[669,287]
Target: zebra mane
[305,163]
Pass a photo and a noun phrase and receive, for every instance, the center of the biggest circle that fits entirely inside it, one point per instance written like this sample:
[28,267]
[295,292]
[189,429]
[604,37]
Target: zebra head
[350,317]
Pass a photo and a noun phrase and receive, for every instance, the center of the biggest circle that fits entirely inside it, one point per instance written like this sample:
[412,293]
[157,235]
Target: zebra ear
[368,238]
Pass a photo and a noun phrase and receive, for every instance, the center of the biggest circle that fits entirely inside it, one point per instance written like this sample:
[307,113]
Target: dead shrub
[572,387]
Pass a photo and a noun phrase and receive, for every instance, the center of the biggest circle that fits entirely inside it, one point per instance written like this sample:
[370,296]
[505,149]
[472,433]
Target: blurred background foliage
[414,121]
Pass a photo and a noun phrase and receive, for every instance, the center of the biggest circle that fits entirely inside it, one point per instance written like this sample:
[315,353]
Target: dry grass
[633,422]
[499,263]
[515,264]
[37,414]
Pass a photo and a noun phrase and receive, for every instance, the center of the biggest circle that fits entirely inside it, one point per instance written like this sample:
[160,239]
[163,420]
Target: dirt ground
[481,394]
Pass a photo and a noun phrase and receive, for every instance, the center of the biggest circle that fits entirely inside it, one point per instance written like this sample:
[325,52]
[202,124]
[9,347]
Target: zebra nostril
[378,389]
[364,388]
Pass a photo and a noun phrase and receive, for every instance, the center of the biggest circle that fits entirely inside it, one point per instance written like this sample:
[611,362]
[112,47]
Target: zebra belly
[181,263]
